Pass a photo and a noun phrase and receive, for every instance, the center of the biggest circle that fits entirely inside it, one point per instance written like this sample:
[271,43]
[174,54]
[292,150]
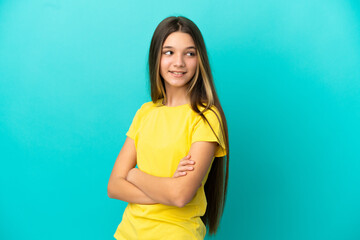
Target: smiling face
[178,60]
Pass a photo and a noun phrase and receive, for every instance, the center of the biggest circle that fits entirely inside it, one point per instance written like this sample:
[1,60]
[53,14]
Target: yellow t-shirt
[163,136]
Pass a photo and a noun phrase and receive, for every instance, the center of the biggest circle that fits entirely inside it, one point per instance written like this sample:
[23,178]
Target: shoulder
[212,113]
[146,107]
[151,104]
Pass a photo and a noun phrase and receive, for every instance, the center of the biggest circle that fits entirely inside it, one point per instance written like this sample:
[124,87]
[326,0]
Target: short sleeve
[134,125]
[203,132]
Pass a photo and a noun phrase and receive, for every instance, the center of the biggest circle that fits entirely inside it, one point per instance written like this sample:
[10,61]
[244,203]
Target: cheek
[164,64]
[192,64]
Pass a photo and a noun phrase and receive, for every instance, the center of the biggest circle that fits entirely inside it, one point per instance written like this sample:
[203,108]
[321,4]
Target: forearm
[123,190]
[161,189]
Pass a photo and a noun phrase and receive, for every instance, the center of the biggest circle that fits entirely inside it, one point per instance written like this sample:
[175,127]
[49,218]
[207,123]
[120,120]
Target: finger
[187,162]
[186,157]
[179,174]
[185,168]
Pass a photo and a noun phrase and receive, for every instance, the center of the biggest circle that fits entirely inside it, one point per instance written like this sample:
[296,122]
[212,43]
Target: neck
[176,97]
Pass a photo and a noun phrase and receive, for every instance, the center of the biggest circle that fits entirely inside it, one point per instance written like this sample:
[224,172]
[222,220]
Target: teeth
[178,73]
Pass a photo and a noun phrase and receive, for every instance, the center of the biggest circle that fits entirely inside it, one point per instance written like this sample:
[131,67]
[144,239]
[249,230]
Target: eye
[167,52]
[191,53]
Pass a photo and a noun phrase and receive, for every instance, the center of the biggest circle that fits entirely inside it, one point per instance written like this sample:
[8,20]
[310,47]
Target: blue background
[73,74]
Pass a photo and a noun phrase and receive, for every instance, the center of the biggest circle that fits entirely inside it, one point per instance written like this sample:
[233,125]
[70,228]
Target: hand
[130,174]
[184,166]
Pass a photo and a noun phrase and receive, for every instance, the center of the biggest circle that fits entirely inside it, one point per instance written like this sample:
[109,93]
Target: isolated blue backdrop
[73,74]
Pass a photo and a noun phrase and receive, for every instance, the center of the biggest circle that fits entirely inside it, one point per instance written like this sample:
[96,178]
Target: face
[178,60]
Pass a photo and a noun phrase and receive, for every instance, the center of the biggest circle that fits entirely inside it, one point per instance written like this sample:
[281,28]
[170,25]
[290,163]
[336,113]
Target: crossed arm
[132,185]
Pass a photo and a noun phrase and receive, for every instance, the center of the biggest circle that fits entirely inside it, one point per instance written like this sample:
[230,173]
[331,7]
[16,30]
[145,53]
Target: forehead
[179,40]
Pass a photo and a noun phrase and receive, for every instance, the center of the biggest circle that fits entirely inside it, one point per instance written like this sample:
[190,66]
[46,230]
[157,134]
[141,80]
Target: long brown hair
[202,92]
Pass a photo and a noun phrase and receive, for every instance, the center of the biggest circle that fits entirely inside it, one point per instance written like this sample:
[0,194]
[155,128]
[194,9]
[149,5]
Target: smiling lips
[177,73]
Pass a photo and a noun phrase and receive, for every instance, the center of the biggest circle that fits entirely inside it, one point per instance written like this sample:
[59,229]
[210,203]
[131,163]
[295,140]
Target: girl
[171,196]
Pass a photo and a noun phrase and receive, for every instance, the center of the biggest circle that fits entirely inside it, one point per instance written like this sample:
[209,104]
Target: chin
[178,84]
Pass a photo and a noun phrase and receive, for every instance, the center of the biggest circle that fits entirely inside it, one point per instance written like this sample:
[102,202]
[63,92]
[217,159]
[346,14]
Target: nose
[179,61]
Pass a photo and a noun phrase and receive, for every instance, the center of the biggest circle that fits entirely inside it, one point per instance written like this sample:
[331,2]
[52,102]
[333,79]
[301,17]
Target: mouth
[177,73]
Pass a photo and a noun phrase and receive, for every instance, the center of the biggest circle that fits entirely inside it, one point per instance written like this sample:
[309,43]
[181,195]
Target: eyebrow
[185,48]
